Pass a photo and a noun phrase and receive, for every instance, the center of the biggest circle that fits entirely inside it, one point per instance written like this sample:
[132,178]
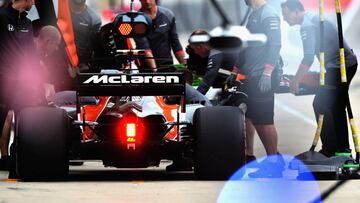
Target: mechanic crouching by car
[162,37]
[54,61]
[16,53]
[216,62]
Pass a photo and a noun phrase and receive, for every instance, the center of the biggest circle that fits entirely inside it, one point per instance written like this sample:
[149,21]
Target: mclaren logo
[132,79]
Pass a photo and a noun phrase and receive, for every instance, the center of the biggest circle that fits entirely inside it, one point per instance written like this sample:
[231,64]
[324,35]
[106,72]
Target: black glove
[265,83]
[231,81]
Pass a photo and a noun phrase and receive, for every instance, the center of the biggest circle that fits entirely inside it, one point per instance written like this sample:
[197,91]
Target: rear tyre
[220,142]
[42,149]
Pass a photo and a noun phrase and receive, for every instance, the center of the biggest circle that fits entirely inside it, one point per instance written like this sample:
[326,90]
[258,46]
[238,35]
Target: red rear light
[131,131]
[125,29]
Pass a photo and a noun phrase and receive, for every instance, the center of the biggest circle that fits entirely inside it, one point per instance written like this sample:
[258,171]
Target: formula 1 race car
[122,118]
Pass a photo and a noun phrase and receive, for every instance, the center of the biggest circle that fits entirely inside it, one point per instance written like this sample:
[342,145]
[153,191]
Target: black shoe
[179,166]
[5,163]
[251,161]
[327,153]
[256,164]
[250,158]
[268,169]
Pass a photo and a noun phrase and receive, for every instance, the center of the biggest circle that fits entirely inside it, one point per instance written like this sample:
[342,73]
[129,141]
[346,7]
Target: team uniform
[162,37]
[56,67]
[16,56]
[217,60]
[85,25]
[253,61]
[329,100]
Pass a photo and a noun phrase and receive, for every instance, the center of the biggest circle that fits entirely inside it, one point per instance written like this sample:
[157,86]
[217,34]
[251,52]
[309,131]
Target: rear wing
[142,84]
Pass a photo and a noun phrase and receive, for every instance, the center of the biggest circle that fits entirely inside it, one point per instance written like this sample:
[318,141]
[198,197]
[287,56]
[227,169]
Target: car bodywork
[121,117]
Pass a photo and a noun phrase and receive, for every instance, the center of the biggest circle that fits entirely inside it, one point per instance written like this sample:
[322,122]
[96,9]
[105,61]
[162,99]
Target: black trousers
[16,95]
[331,100]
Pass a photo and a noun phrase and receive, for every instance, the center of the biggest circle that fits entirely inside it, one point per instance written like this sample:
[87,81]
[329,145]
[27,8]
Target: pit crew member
[163,36]
[260,65]
[330,99]
[16,48]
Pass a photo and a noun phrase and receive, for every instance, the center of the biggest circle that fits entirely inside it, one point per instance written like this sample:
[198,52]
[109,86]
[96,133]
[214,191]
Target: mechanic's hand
[294,86]
[265,83]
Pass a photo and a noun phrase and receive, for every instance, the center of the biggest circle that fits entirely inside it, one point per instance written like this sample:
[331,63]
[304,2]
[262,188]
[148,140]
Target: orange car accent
[92,113]
[240,77]
[129,44]
[65,25]
[167,112]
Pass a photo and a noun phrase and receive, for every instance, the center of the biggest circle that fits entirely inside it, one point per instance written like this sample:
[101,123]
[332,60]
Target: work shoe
[280,160]
[179,165]
[327,153]
[251,161]
[5,163]
[257,164]
[269,169]
[250,158]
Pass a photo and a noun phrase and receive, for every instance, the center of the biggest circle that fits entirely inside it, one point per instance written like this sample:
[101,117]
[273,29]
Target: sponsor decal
[10,27]
[132,79]
[163,25]
[84,24]
[132,98]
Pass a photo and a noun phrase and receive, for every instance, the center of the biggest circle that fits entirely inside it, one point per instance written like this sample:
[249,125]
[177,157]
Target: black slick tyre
[219,142]
[42,152]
